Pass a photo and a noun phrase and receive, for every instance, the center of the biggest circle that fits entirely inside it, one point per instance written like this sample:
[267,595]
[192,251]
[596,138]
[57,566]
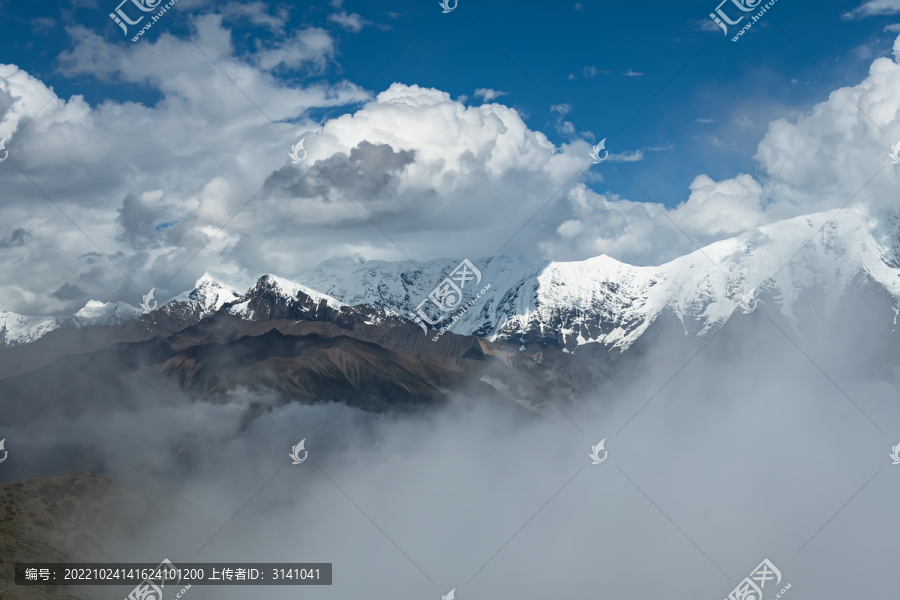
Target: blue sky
[160,155]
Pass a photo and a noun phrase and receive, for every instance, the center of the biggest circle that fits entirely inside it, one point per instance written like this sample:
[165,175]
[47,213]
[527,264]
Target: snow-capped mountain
[20,329]
[205,299]
[274,297]
[799,267]
[604,301]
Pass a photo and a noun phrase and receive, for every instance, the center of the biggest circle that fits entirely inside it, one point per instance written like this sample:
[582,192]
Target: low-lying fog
[748,453]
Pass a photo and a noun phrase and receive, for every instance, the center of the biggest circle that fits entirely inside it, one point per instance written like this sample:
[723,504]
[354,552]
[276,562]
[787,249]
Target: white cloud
[720,209]
[312,48]
[590,72]
[894,28]
[256,12]
[872,8]
[350,21]
[488,94]
[571,228]
[627,156]
[193,159]
[630,73]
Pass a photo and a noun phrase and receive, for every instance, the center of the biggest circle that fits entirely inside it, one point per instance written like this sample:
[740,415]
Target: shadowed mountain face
[302,348]
[307,347]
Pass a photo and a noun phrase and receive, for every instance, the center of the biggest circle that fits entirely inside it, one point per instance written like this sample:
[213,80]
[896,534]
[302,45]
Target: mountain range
[801,267]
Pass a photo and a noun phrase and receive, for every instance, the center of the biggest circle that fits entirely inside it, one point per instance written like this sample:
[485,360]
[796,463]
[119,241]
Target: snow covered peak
[18,329]
[606,301]
[105,313]
[209,294]
[292,289]
[273,297]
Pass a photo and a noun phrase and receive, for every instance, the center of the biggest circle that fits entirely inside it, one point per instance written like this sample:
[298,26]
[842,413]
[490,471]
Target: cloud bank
[117,197]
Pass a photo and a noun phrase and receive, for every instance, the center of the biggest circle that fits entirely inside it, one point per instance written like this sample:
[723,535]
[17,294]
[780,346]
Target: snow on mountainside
[208,295]
[599,300]
[19,329]
[605,301]
[206,298]
[278,298]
